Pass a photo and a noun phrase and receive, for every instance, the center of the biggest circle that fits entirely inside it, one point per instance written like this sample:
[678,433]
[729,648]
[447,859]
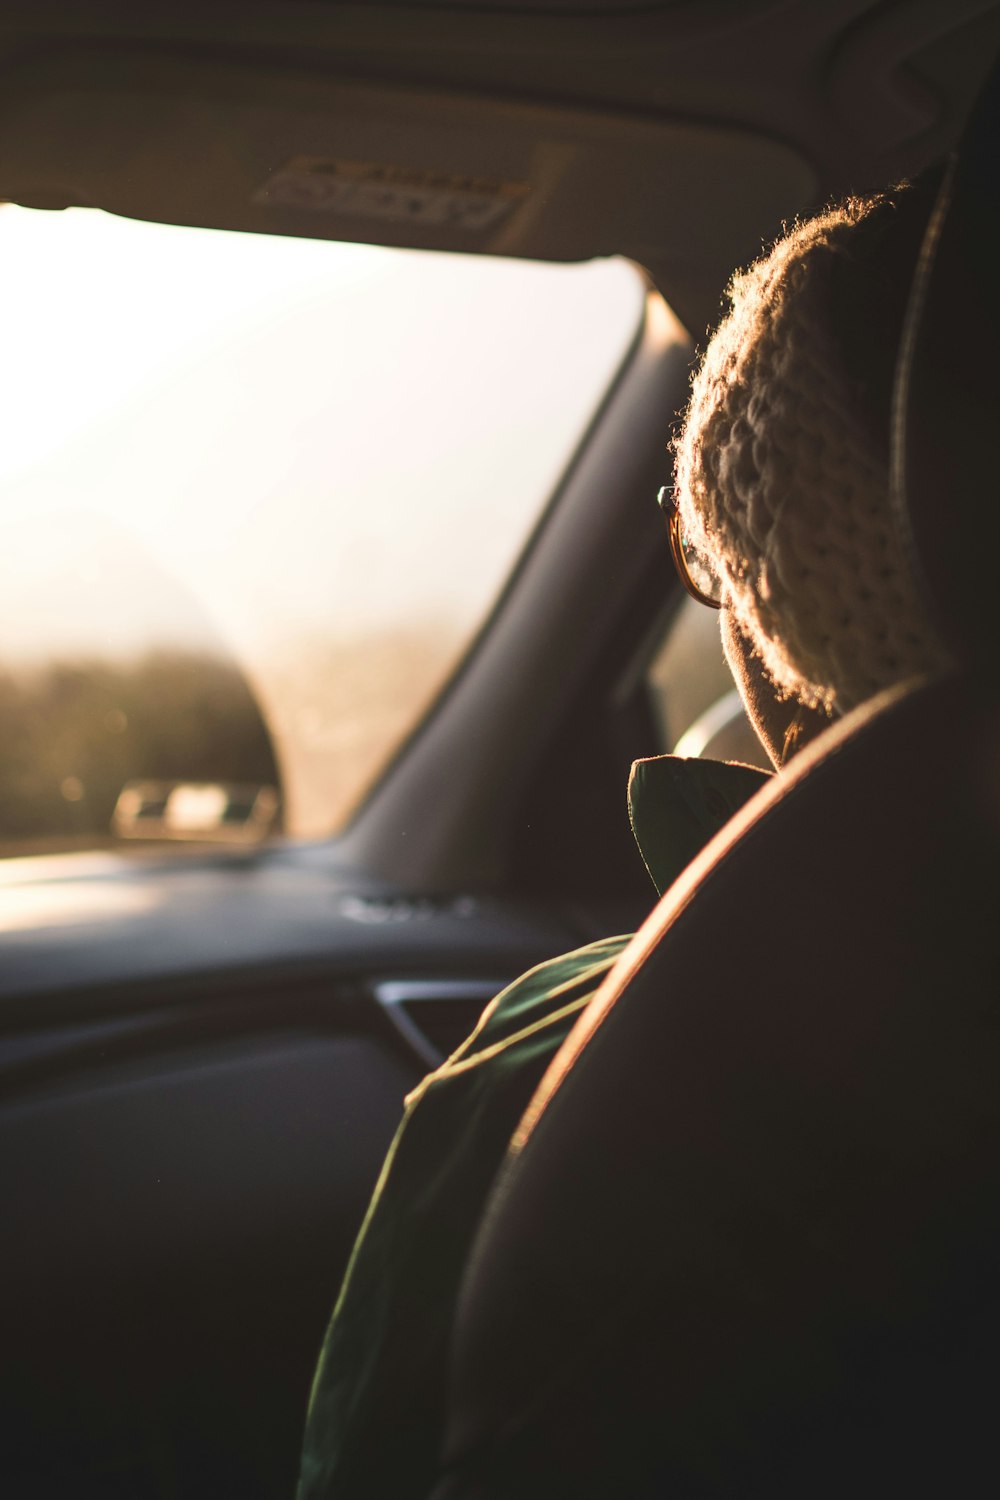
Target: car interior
[203,1060]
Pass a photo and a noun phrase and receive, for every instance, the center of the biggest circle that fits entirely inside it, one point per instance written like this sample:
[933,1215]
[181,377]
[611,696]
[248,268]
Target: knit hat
[782,471]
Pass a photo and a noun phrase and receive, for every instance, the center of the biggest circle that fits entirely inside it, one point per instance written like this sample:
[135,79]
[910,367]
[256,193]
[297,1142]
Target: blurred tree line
[73,732]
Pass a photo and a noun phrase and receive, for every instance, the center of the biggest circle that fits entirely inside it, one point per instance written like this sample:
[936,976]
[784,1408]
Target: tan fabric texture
[780,479]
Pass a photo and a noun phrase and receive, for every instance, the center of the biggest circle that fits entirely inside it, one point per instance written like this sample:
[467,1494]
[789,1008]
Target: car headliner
[679,134]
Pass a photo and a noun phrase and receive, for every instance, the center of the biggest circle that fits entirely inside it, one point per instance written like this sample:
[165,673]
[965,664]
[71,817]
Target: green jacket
[375,1417]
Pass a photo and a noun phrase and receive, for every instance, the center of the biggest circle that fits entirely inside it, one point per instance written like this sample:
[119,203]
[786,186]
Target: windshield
[257,495]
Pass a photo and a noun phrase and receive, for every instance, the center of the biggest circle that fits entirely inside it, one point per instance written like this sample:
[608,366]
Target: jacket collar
[676,805]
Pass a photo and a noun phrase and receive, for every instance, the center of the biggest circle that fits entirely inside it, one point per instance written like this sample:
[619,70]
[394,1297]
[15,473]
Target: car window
[258,494]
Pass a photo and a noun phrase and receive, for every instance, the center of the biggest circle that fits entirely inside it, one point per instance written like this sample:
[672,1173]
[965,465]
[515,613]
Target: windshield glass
[257,495]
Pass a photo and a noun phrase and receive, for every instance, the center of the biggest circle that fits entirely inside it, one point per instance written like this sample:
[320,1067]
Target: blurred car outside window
[257,496]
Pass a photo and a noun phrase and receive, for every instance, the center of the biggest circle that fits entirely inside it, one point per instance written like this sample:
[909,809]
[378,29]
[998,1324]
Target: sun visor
[238,146]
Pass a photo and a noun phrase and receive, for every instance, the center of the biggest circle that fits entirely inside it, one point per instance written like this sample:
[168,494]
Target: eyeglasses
[695,567]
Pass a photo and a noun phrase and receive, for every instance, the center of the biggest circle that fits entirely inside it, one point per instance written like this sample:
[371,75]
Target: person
[376,1410]
[779,517]
[782,469]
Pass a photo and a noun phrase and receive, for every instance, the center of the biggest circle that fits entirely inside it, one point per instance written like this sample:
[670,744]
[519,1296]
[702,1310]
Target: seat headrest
[944,431]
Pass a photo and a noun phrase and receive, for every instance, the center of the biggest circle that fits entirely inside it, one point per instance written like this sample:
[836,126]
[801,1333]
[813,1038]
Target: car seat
[747,1238]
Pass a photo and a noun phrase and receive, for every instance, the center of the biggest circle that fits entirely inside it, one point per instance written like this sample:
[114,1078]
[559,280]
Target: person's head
[782,466]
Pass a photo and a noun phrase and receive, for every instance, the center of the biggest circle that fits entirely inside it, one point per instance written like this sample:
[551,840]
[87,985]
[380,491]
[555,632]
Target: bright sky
[256,438]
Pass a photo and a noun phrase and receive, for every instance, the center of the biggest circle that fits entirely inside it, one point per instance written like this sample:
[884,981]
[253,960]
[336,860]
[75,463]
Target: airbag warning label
[370,190]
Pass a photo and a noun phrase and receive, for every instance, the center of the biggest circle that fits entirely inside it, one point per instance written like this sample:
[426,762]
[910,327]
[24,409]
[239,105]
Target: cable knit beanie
[782,464]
